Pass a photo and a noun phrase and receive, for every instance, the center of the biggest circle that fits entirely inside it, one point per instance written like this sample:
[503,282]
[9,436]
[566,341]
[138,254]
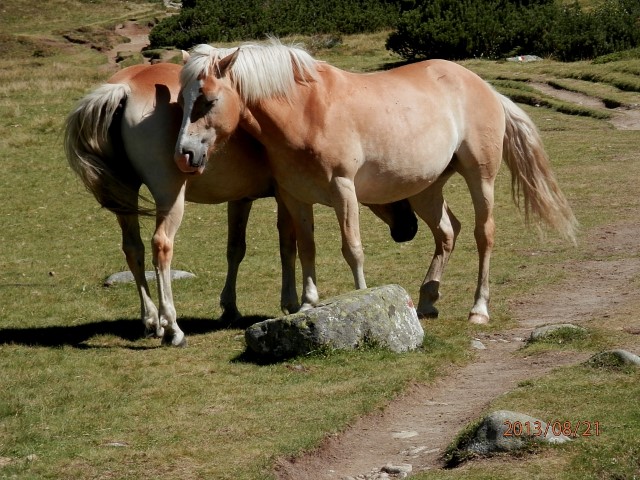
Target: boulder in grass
[557,329]
[382,316]
[503,431]
[614,359]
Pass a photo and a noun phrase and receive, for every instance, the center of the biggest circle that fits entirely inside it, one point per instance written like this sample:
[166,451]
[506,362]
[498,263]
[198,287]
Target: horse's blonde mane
[260,71]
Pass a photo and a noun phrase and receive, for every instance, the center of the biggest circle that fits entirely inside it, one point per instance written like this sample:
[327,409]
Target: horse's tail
[531,175]
[95,151]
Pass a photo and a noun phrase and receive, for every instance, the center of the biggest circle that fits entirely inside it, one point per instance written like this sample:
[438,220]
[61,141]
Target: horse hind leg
[431,206]
[484,233]
[237,218]
[301,216]
[480,178]
[288,249]
[345,204]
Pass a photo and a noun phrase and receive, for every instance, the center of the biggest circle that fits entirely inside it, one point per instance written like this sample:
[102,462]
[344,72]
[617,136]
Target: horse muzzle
[186,164]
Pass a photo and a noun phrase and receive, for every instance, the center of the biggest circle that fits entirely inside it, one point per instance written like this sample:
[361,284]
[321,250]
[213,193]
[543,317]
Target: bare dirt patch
[138,36]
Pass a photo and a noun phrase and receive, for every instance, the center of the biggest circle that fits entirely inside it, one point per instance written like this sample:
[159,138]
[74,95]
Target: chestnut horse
[336,138]
[123,135]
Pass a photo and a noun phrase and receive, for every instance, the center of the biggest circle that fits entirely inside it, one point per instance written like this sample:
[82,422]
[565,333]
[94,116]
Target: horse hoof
[230,316]
[478,319]
[289,309]
[431,312]
[153,332]
[305,307]
[176,340]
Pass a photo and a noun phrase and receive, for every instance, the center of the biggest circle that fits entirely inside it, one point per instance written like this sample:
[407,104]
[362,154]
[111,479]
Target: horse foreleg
[445,227]
[133,249]
[287,237]
[301,214]
[345,203]
[167,224]
[237,218]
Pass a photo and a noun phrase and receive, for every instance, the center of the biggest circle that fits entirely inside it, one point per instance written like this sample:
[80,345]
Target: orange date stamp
[580,428]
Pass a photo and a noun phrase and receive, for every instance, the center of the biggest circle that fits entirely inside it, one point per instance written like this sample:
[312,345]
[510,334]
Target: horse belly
[391,175]
[376,186]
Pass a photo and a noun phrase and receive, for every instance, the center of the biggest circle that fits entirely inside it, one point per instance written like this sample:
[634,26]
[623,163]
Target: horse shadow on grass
[129,329]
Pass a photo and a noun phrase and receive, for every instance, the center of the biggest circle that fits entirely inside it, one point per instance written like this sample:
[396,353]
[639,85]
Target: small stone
[397,469]
[548,330]
[413,451]
[477,344]
[127,277]
[116,444]
[32,457]
[405,434]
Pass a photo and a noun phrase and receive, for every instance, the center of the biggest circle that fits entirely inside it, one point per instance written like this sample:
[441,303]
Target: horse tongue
[182,161]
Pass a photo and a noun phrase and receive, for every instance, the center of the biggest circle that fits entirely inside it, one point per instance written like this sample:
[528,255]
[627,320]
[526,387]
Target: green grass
[90,398]
[580,396]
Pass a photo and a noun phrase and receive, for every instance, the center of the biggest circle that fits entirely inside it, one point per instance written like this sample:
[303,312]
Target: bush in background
[452,29]
[457,29]
[205,21]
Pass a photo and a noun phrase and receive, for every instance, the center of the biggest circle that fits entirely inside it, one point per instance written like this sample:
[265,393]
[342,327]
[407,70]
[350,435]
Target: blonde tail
[531,175]
[96,156]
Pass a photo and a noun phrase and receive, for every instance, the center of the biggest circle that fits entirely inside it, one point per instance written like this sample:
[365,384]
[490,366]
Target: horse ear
[185,57]
[226,63]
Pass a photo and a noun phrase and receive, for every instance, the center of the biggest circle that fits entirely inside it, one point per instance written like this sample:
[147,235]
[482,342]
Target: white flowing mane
[260,71]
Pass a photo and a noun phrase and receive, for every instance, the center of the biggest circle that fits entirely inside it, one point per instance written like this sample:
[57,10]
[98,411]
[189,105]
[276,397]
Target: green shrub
[457,29]
[204,21]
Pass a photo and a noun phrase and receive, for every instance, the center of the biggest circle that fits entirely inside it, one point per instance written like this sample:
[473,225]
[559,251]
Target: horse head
[211,107]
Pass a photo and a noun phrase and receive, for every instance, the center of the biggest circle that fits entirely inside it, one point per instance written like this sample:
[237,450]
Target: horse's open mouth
[184,164]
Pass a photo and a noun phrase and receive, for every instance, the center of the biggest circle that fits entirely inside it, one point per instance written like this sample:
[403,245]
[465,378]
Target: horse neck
[278,120]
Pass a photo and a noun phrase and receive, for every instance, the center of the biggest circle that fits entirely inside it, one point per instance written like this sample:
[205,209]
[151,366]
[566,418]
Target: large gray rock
[383,316]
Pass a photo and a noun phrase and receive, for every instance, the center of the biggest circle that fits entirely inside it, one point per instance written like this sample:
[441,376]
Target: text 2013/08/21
[581,428]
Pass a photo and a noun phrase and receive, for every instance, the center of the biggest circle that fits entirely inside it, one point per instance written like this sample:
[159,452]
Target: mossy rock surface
[382,316]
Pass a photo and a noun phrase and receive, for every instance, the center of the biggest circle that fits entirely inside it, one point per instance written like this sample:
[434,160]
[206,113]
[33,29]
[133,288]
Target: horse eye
[210,102]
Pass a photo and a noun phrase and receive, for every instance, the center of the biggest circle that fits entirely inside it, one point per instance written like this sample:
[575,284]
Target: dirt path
[416,428]
[138,39]
[623,118]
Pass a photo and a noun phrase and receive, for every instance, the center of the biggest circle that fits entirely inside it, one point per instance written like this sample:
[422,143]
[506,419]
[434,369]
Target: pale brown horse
[336,138]
[123,135]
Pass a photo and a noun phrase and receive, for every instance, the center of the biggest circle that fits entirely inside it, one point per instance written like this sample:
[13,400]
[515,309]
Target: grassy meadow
[83,395]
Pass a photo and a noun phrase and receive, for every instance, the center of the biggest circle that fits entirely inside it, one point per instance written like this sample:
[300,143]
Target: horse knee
[162,248]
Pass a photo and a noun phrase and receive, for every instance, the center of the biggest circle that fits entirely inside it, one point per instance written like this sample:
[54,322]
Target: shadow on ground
[129,329]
